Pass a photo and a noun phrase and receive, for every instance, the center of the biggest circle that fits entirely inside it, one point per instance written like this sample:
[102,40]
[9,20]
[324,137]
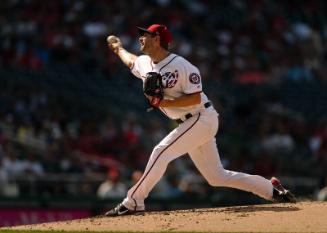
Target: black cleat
[280,194]
[120,210]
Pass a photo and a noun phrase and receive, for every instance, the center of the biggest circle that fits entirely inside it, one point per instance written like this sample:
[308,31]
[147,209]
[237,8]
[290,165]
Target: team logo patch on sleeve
[194,78]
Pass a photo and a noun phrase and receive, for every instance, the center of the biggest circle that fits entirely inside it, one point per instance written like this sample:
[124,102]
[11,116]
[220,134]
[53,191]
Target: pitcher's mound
[299,217]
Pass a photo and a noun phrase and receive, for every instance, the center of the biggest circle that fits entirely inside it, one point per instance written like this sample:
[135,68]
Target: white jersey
[179,78]
[194,136]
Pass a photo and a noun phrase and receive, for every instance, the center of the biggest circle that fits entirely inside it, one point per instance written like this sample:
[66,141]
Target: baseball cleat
[280,194]
[120,210]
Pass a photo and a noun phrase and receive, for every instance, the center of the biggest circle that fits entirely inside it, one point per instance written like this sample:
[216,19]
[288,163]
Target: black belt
[189,115]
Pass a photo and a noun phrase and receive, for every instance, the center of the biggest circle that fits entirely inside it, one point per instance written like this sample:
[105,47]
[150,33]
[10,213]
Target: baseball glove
[153,87]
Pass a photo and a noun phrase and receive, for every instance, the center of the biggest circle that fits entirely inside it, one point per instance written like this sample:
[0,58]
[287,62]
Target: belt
[189,115]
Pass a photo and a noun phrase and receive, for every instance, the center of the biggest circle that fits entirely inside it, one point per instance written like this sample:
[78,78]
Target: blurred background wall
[74,131]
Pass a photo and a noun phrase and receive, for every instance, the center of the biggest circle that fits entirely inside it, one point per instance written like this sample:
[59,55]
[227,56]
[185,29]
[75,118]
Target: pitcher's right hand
[114,43]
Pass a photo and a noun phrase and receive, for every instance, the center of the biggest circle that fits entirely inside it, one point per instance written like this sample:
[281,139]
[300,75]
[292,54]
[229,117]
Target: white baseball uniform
[195,135]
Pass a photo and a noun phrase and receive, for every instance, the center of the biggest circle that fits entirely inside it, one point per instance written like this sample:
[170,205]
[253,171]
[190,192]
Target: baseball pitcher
[173,85]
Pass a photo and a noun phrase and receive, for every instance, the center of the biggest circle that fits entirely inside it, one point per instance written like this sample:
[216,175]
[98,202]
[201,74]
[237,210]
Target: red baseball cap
[159,29]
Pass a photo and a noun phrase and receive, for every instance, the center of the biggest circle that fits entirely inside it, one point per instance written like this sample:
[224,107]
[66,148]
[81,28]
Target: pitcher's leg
[154,170]
[177,143]
[206,159]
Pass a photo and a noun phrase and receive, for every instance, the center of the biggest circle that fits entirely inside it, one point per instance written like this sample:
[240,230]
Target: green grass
[53,231]
[61,231]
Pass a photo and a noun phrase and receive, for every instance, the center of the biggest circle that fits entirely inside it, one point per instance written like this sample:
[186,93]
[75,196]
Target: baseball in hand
[112,39]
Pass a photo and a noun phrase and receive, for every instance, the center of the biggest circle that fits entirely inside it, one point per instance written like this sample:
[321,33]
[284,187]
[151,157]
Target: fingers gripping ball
[153,87]
[112,39]
[114,43]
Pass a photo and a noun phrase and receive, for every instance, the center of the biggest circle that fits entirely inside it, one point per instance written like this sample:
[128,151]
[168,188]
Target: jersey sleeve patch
[194,78]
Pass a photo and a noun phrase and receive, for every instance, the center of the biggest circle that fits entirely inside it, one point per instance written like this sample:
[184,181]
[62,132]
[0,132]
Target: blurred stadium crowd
[68,108]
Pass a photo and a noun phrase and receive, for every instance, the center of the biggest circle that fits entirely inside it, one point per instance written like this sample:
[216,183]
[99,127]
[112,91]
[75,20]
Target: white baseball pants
[195,136]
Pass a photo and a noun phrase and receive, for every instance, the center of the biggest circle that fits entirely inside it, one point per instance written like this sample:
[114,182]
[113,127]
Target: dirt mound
[300,217]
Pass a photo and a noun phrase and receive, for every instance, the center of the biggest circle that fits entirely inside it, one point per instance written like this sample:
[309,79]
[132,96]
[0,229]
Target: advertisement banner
[14,217]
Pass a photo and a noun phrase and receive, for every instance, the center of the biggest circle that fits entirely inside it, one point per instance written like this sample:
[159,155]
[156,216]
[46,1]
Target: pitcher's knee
[215,181]
[159,156]
[158,149]
[219,179]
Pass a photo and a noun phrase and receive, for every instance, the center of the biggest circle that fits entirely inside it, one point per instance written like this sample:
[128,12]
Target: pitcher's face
[149,43]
